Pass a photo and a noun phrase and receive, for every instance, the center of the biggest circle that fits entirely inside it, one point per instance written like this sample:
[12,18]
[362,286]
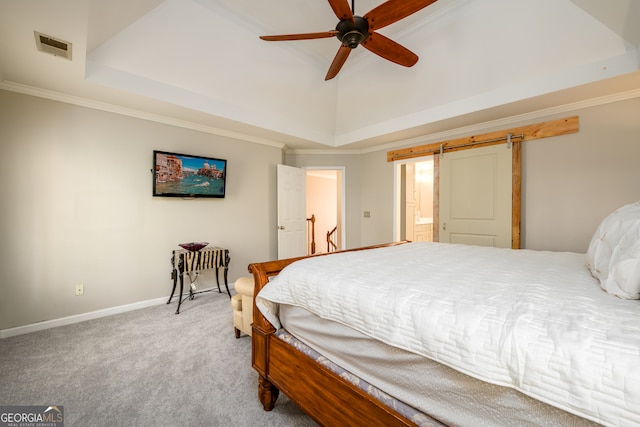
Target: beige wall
[377,199]
[75,185]
[570,182]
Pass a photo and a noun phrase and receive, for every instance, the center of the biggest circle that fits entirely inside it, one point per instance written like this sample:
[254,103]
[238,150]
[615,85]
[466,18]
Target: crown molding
[130,112]
[479,127]
[323,151]
[452,133]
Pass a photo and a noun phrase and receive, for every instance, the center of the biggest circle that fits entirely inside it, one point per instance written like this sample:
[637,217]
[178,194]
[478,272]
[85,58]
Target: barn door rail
[558,127]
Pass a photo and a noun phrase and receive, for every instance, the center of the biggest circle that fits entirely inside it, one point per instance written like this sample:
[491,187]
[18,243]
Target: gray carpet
[147,367]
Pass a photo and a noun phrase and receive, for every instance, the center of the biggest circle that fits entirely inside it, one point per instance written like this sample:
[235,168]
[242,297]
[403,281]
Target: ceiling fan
[353,30]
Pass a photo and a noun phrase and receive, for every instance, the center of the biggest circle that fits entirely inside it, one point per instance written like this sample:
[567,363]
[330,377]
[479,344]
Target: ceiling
[200,64]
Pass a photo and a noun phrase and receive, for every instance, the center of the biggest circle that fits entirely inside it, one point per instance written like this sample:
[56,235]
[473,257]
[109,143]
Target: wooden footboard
[323,395]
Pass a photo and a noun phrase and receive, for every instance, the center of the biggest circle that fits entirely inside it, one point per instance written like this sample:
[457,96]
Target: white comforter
[534,321]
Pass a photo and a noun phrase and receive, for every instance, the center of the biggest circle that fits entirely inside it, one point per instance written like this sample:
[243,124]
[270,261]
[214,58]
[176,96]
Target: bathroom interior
[418,200]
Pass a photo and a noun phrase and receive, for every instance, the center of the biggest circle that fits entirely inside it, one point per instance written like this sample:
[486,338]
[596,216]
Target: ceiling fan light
[351,34]
[352,39]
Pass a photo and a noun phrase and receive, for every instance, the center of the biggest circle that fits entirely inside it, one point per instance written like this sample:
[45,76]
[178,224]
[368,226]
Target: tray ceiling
[200,63]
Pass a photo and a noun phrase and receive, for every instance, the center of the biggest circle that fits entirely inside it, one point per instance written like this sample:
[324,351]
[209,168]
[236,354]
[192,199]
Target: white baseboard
[77,318]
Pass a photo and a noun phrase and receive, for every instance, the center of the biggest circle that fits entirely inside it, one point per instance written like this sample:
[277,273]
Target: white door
[475,196]
[292,220]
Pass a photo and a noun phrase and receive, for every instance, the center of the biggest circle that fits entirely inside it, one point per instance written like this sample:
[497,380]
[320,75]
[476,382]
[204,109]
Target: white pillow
[608,236]
[624,269]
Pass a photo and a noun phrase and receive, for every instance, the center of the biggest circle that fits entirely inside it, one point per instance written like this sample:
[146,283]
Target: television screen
[182,175]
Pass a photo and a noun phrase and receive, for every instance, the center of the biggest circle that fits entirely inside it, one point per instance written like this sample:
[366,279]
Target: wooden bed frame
[323,395]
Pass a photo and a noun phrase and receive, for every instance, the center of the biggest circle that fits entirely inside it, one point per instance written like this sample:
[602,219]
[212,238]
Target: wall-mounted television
[184,175]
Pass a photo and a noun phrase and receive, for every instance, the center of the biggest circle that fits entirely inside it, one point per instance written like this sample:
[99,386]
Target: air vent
[52,45]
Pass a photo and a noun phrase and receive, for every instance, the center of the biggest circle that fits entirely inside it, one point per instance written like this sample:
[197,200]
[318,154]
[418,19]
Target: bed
[439,334]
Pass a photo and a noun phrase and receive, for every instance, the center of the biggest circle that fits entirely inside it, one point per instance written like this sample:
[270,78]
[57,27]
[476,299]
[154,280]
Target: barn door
[476,196]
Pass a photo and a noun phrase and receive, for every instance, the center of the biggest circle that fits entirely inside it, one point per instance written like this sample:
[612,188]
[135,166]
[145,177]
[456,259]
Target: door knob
[444,225]
[281,227]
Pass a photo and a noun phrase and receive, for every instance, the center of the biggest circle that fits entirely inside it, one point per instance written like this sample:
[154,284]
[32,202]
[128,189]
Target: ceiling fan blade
[341,9]
[394,10]
[390,50]
[306,36]
[338,62]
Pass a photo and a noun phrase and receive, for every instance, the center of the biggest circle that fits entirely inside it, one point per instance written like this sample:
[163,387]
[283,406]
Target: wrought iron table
[193,262]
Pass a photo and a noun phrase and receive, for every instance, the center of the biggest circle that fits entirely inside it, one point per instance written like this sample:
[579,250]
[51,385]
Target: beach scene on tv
[179,175]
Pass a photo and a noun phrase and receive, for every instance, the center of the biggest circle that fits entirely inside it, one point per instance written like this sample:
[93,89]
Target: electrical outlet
[79,290]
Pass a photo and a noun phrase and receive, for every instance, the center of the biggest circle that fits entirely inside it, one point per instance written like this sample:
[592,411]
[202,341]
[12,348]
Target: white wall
[75,185]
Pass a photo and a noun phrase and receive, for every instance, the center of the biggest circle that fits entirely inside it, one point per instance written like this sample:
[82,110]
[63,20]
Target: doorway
[414,204]
[325,204]
[505,170]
